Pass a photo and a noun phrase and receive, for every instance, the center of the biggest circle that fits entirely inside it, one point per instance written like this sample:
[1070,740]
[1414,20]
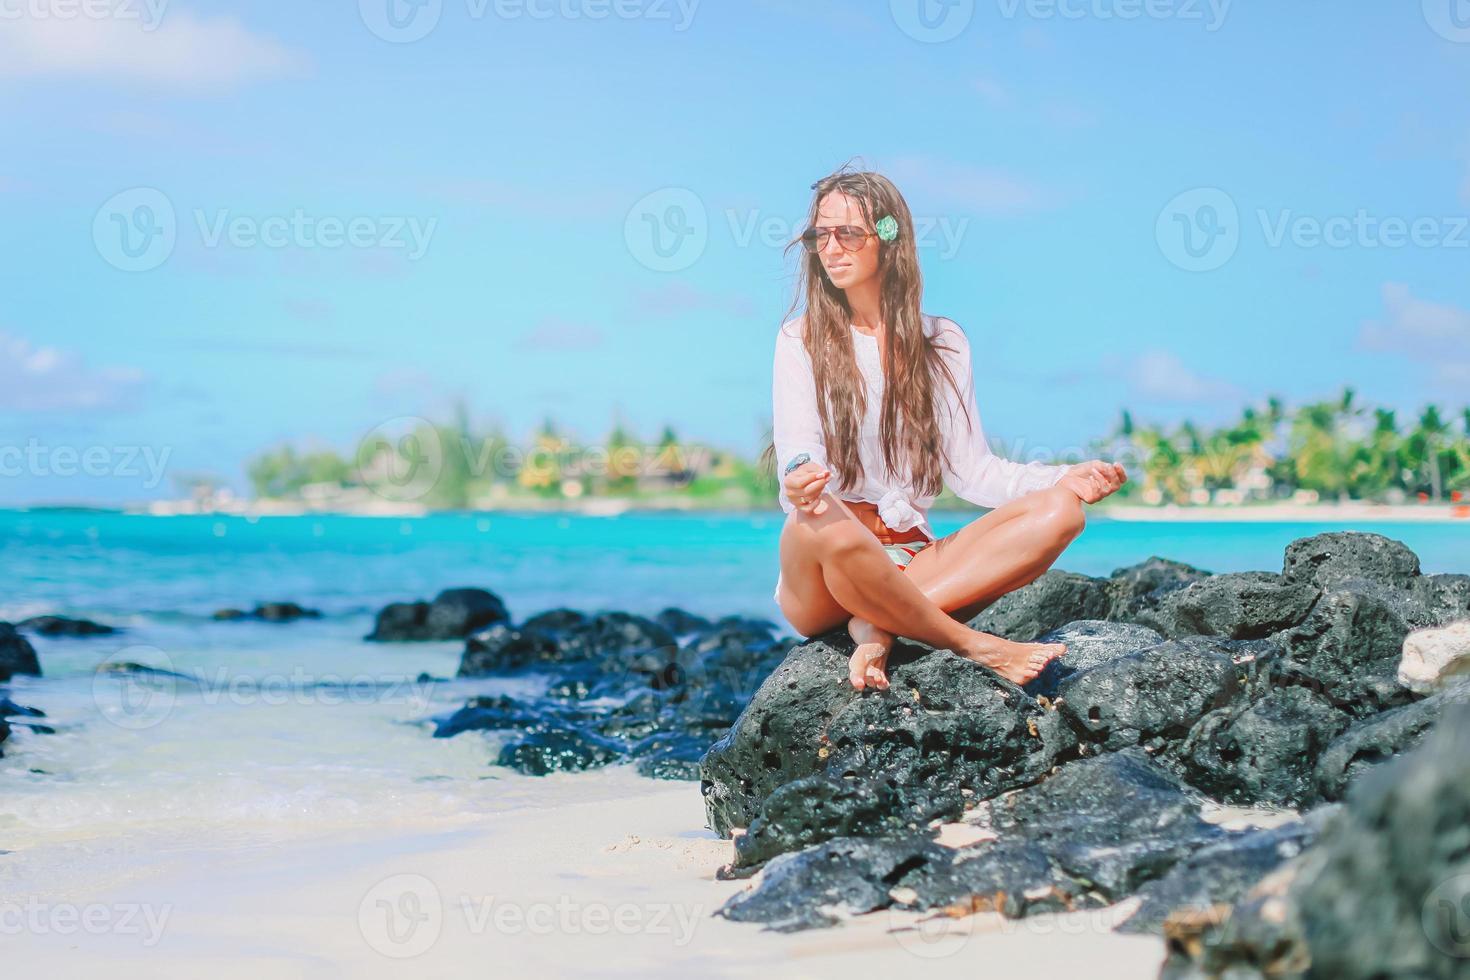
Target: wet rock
[1434,657]
[1239,605]
[1221,873]
[1264,752]
[1328,561]
[64,626]
[556,620]
[945,723]
[1090,642]
[1444,598]
[671,755]
[1157,693]
[1112,822]
[1050,602]
[680,622]
[17,656]
[1016,878]
[1385,892]
[823,884]
[1370,743]
[1349,646]
[283,612]
[453,615]
[1137,592]
[501,649]
[557,750]
[819,808]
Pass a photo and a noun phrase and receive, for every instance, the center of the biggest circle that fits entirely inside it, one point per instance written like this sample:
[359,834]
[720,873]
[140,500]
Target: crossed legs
[834,571]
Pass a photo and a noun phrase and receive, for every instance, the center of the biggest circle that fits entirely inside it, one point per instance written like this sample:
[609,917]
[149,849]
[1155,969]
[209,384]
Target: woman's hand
[1093,480]
[804,486]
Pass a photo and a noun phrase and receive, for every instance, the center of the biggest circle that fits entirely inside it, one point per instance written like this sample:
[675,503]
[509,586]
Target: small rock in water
[453,615]
[63,626]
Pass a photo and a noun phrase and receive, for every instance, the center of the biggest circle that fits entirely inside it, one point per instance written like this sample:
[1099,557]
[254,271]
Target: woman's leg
[833,568]
[966,571]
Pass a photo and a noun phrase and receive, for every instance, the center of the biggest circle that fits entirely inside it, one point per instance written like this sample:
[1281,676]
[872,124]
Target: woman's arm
[795,425]
[974,472]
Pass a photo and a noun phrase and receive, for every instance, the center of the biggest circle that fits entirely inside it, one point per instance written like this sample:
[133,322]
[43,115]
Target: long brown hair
[908,428]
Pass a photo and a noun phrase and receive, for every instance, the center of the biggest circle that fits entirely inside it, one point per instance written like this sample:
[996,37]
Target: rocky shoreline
[1292,693]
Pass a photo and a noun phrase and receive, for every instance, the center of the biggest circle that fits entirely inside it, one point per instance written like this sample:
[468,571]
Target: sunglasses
[850,237]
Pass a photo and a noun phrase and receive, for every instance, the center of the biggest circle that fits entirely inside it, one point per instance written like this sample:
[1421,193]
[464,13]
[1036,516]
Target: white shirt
[978,475]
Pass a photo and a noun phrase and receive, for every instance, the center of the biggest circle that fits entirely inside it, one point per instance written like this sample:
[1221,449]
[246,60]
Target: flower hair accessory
[887,228]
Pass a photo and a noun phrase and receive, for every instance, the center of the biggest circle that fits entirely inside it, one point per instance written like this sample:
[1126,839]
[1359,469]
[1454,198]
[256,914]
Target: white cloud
[1435,333]
[983,190]
[1162,376]
[45,379]
[555,334]
[680,298]
[141,43]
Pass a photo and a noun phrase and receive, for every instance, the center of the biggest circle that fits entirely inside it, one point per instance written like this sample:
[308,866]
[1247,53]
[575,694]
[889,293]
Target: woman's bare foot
[869,662]
[1016,662]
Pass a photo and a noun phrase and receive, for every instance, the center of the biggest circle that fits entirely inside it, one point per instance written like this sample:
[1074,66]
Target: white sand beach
[619,883]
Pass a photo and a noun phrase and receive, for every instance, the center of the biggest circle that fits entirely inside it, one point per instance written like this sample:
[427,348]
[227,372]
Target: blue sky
[1169,205]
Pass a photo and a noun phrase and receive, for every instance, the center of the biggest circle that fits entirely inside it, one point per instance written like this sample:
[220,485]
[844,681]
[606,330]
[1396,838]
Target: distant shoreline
[1353,511]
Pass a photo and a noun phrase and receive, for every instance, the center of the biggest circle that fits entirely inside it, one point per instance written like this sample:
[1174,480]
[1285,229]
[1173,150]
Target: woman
[869,388]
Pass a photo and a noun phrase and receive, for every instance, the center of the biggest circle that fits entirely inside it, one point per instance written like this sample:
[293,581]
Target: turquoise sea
[112,564]
[299,729]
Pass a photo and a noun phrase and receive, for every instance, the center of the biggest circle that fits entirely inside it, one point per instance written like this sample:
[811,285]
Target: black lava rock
[1265,752]
[1158,693]
[945,722]
[1052,601]
[453,615]
[64,626]
[1385,891]
[17,656]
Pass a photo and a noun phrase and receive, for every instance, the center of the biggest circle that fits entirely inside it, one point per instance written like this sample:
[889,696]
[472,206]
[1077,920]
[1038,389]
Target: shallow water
[290,729]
